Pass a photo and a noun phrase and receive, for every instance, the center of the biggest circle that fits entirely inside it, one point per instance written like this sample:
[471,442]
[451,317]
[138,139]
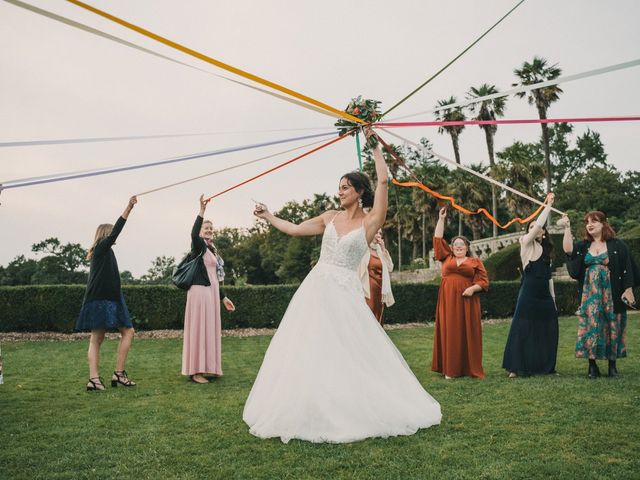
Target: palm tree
[488,110]
[539,71]
[454,131]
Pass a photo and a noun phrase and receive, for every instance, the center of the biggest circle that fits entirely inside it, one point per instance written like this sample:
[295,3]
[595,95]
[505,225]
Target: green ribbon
[358,147]
[452,61]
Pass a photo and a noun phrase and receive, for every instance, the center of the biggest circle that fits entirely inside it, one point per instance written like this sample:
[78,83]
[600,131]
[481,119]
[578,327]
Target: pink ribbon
[505,122]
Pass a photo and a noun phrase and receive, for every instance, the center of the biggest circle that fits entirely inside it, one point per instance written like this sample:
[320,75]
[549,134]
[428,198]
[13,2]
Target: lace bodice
[346,251]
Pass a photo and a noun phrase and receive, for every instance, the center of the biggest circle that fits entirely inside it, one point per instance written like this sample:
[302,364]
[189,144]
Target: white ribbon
[527,88]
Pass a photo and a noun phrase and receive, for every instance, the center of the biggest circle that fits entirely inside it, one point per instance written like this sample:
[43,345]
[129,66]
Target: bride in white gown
[331,373]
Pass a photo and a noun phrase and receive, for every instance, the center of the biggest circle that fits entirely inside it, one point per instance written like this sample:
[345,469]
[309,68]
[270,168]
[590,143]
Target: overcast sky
[59,82]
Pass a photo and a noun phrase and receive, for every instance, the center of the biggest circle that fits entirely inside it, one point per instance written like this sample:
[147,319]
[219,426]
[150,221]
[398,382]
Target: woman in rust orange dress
[374,275]
[457,342]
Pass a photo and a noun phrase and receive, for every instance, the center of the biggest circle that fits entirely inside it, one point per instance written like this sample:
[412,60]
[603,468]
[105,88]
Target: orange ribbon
[217,63]
[466,211]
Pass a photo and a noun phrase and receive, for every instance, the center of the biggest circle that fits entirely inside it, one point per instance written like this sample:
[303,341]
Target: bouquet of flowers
[364,109]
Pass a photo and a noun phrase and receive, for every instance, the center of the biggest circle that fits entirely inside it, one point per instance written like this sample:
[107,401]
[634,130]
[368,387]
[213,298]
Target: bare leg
[93,355]
[126,337]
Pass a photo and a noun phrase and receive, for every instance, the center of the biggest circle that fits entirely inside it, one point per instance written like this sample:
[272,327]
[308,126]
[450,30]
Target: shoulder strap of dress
[334,217]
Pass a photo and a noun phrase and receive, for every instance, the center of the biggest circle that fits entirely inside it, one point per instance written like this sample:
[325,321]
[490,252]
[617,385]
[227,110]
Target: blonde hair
[102,232]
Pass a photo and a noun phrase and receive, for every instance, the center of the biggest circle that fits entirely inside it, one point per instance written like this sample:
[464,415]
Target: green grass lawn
[559,426]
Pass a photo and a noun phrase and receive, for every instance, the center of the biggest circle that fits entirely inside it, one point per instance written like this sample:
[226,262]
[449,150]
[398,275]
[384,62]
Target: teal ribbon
[358,147]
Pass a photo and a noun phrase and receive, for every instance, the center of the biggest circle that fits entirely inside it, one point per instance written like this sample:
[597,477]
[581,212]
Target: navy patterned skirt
[103,315]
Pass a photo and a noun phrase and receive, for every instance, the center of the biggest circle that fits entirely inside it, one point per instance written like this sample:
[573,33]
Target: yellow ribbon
[215,62]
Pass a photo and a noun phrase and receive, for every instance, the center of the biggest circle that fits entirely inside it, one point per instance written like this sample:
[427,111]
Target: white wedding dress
[331,373]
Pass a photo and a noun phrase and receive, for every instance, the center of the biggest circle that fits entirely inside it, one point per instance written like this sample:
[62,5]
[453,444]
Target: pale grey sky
[59,82]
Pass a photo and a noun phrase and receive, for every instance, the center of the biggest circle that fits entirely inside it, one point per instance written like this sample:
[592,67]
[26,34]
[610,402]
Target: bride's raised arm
[312,226]
[378,213]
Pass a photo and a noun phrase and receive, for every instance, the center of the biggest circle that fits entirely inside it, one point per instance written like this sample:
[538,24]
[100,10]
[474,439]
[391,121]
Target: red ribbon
[505,122]
[278,166]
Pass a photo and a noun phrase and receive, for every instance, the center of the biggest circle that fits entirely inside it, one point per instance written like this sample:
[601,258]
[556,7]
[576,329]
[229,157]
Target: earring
[360,202]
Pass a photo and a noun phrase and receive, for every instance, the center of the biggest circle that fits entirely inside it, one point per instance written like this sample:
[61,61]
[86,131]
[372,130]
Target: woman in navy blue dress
[104,307]
[532,346]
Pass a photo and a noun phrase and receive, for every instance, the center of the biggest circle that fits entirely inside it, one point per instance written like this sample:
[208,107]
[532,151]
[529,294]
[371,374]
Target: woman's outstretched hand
[261,210]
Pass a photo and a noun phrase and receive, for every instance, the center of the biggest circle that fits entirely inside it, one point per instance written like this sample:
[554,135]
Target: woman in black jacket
[201,349]
[606,274]
[104,307]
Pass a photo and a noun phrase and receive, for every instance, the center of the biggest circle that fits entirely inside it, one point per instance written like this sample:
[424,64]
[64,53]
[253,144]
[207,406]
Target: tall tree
[488,110]
[454,131]
[535,72]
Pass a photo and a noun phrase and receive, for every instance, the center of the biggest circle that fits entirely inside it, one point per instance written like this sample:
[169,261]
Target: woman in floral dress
[606,274]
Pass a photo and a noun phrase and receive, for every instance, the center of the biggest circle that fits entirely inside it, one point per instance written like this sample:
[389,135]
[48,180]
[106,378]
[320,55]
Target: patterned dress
[601,332]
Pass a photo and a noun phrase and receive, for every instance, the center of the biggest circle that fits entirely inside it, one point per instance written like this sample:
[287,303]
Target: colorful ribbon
[266,172]
[528,88]
[233,167]
[451,200]
[358,148]
[506,122]
[215,62]
[466,211]
[25,182]
[452,61]
[94,31]
[469,170]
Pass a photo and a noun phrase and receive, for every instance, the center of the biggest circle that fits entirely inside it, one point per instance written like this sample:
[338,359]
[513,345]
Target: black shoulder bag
[184,272]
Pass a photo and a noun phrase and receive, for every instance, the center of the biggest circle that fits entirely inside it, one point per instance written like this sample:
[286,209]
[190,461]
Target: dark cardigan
[104,277]
[198,248]
[623,271]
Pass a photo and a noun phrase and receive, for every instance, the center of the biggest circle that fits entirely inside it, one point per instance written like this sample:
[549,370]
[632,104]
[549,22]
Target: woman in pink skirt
[201,349]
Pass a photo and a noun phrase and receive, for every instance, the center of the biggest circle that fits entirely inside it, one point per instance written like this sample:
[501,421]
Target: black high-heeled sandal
[122,379]
[95,386]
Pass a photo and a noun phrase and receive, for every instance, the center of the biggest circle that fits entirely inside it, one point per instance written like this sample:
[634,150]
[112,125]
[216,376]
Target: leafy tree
[18,271]
[250,265]
[227,241]
[520,166]
[571,161]
[160,271]
[61,263]
[599,188]
[127,278]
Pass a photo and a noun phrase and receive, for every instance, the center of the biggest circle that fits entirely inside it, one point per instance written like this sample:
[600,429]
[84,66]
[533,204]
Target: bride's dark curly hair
[362,184]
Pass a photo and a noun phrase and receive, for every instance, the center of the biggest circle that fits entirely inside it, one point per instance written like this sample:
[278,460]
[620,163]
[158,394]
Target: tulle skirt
[331,373]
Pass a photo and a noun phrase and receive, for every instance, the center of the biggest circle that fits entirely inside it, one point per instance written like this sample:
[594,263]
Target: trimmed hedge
[56,307]
[504,264]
